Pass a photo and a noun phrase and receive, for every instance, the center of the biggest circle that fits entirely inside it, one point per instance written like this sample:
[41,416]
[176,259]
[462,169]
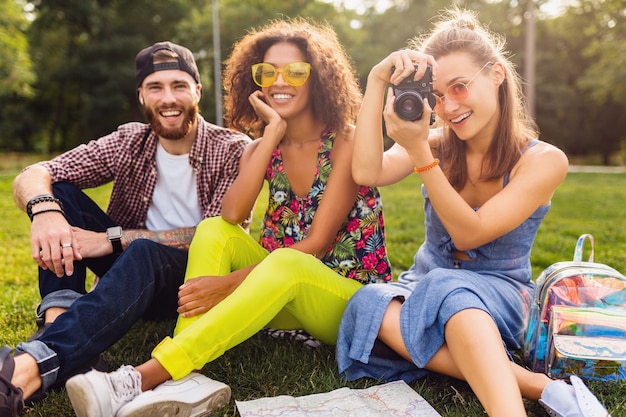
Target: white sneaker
[101,394]
[192,396]
[563,400]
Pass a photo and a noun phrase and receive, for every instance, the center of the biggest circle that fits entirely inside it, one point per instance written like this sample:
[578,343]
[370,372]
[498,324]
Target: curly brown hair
[335,92]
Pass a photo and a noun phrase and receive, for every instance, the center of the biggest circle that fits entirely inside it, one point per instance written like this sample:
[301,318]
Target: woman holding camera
[460,310]
[290,85]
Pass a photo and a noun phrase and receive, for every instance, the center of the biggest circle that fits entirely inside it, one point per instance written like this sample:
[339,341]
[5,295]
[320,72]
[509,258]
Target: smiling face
[170,99]
[288,101]
[477,115]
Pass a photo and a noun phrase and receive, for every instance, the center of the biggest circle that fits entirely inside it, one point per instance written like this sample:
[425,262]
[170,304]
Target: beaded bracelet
[47,211]
[41,198]
[426,167]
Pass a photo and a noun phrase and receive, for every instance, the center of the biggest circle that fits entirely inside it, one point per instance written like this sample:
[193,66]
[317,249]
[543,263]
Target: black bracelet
[42,198]
[46,211]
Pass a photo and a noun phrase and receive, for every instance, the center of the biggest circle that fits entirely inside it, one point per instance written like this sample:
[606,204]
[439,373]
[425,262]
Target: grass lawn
[585,203]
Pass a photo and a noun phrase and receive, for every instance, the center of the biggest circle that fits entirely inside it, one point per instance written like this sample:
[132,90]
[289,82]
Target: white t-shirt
[175,200]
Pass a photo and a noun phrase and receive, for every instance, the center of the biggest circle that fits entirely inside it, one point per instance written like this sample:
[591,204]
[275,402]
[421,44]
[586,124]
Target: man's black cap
[145,66]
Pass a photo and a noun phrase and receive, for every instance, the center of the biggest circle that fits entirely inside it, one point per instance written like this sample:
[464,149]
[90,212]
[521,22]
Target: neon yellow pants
[288,289]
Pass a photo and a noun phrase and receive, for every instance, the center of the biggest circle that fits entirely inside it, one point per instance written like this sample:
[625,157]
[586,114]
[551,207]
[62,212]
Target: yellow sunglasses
[294,74]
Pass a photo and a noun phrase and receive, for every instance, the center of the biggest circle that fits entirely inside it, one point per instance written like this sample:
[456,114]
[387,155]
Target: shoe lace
[126,383]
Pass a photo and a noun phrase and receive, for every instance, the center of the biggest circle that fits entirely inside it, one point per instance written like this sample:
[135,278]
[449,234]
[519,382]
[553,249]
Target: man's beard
[175,133]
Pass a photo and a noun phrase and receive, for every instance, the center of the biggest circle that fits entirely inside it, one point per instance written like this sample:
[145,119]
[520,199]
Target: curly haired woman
[291,85]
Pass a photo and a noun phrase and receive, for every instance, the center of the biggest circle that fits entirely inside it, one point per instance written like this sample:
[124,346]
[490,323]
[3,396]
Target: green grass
[585,203]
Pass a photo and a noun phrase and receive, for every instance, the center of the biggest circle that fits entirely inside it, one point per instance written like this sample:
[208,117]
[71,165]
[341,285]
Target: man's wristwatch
[114,234]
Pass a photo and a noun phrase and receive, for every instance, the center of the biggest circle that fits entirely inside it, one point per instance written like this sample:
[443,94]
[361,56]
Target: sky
[359,5]
[550,8]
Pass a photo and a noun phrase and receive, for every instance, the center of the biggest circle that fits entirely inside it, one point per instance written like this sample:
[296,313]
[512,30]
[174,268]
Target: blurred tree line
[67,66]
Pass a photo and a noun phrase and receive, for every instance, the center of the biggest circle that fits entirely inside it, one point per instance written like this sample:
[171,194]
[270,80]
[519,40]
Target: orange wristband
[426,167]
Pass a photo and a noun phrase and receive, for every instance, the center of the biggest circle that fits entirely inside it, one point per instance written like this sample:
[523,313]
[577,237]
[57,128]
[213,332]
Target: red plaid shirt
[127,157]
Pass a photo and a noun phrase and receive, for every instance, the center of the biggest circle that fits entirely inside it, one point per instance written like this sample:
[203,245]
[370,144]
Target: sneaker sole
[79,390]
[173,408]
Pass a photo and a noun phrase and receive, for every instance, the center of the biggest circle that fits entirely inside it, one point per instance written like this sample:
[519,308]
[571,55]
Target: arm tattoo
[176,238]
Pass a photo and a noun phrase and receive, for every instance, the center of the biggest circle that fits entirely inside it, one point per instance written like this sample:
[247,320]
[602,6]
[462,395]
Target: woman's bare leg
[476,348]
[529,383]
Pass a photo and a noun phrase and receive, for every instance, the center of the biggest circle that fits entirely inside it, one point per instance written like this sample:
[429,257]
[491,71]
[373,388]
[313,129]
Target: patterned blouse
[358,251]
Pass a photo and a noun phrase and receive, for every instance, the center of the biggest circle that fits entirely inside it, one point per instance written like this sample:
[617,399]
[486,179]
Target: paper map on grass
[394,399]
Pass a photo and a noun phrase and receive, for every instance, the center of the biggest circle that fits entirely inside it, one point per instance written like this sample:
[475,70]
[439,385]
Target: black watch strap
[117,245]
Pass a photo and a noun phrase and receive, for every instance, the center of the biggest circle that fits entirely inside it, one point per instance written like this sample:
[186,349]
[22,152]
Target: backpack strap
[578,252]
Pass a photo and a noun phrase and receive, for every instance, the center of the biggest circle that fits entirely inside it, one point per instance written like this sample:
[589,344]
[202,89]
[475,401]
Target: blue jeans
[141,283]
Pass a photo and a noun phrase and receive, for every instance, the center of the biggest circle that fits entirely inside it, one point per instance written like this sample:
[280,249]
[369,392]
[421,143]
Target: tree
[82,78]
[603,80]
[16,74]
[84,52]
[581,97]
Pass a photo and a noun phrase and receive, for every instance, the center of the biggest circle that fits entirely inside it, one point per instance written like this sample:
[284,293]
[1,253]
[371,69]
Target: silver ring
[66,245]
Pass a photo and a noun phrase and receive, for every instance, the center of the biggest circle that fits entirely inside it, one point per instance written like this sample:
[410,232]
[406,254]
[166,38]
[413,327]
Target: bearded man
[167,176]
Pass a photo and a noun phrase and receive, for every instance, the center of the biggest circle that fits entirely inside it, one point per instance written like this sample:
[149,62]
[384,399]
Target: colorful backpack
[577,322]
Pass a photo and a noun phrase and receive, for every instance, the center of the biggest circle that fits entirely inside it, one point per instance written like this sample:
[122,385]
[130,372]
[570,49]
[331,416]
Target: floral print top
[359,250]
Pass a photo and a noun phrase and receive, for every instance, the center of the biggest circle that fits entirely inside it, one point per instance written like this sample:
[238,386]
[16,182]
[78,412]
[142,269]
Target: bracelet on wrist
[41,198]
[32,216]
[425,168]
